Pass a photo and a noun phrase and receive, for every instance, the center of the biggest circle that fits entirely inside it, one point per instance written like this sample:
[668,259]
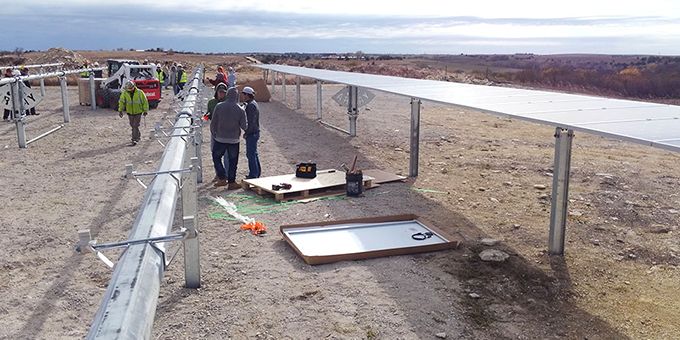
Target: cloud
[219,26]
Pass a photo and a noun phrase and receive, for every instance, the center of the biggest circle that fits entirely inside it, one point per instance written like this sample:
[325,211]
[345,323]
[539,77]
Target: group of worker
[171,74]
[8,115]
[228,118]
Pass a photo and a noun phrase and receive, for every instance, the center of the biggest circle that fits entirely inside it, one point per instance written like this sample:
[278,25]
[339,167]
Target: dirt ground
[617,280]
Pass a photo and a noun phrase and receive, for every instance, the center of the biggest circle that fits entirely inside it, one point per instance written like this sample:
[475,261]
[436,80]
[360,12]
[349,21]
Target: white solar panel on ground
[652,124]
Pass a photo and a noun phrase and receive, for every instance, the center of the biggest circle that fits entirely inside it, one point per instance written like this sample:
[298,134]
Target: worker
[220,96]
[227,122]
[252,134]
[160,75]
[220,77]
[24,73]
[231,77]
[181,78]
[7,114]
[85,74]
[172,77]
[133,102]
[98,73]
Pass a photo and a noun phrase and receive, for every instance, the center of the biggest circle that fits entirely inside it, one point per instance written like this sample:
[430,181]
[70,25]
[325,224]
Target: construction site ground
[480,176]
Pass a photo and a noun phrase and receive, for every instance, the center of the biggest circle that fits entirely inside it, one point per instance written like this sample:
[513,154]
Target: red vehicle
[120,71]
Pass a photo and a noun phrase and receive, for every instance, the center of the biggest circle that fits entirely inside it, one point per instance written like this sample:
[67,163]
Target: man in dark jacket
[228,119]
[252,134]
[24,73]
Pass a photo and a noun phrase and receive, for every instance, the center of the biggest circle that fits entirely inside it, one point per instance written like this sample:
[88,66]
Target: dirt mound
[70,58]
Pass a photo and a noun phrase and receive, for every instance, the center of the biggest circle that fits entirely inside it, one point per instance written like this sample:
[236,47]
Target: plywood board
[381,176]
[326,181]
[326,242]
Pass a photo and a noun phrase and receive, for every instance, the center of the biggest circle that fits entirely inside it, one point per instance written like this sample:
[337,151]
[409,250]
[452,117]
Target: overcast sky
[420,26]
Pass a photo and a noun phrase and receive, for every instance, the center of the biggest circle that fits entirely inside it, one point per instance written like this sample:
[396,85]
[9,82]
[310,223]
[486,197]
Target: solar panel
[646,123]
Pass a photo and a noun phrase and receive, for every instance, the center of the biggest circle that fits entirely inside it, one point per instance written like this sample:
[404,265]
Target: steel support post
[560,190]
[198,142]
[298,104]
[18,112]
[64,99]
[93,97]
[42,83]
[283,87]
[192,265]
[353,110]
[318,99]
[273,83]
[415,137]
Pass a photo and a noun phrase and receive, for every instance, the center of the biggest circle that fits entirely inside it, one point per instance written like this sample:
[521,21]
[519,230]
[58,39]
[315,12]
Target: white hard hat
[129,85]
[248,90]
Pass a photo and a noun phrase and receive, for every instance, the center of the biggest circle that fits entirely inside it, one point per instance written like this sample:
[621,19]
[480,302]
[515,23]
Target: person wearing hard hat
[252,133]
[160,75]
[133,102]
[231,77]
[181,78]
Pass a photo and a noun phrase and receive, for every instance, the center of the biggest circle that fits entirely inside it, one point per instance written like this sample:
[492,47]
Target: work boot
[220,183]
[133,143]
[233,186]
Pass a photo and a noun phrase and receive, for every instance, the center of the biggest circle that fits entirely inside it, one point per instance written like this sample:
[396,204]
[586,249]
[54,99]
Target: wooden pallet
[327,182]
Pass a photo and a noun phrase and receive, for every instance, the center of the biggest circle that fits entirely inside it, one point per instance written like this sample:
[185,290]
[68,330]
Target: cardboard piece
[261,90]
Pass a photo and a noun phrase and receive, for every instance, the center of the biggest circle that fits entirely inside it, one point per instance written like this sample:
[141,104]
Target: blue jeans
[231,150]
[254,169]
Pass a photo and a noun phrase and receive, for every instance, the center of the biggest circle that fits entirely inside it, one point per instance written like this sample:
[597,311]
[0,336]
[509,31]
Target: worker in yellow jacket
[133,102]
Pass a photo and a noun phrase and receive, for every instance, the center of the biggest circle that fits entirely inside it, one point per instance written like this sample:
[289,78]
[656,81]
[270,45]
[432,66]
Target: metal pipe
[129,304]
[560,191]
[333,127]
[192,266]
[353,110]
[42,83]
[44,134]
[318,99]
[4,81]
[283,87]
[273,83]
[64,99]
[297,93]
[93,97]
[31,66]
[415,137]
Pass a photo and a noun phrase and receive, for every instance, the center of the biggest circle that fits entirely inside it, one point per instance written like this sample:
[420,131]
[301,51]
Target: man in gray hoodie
[228,119]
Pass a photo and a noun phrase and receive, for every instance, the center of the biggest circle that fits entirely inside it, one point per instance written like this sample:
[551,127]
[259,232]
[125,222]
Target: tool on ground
[305,170]
[422,236]
[285,186]
[344,167]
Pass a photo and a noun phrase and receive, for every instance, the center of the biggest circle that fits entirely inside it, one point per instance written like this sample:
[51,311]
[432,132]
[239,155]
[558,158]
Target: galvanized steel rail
[129,304]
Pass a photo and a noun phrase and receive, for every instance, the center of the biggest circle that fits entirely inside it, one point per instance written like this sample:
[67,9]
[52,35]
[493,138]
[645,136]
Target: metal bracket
[130,173]
[87,245]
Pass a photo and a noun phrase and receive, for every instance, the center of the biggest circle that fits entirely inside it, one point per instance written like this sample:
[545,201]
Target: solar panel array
[646,123]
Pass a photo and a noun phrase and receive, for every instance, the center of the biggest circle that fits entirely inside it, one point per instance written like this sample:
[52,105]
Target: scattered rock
[575,213]
[441,335]
[540,186]
[662,229]
[493,255]
[507,184]
[673,211]
[516,226]
[398,149]
[444,171]
[494,200]
[474,295]
[595,242]
[488,242]
[481,189]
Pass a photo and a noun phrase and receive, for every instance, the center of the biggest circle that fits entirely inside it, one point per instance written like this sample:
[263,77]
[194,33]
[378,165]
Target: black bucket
[355,183]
